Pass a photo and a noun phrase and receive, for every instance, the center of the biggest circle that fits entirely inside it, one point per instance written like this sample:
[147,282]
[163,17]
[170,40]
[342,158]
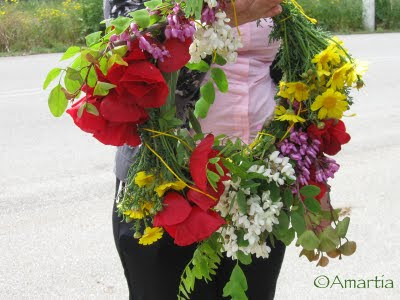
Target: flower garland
[215,191]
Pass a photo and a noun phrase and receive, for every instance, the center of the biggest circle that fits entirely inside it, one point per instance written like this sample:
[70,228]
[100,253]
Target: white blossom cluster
[277,169]
[260,218]
[211,3]
[217,37]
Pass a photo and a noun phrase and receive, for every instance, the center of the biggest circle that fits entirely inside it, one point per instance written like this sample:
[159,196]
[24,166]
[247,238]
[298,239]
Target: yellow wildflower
[330,104]
[282,114]
[338,78]
[151,235]
[299,90]
[328,56]
[358,69]
[134,214]
[176,185]
[142,179]
[283,90]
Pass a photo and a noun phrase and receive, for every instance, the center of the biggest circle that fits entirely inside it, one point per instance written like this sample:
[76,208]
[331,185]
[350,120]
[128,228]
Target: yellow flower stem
[158,133]
[235,17]
[295,3]
[173,173]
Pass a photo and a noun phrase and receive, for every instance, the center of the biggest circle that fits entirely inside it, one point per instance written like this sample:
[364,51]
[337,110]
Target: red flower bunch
[332,135]
[139,86]
[192,220]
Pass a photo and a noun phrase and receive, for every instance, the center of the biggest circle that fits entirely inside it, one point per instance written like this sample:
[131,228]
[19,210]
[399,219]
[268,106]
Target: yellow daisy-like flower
[151,235]
[134,214]
[330,104]
[328,56]
[282,114]
[339,77]
[175,185]
[299,90]
[142,179]
[283,90]
[358,69]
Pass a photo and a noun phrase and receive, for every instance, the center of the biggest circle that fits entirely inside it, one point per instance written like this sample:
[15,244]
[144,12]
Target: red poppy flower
[178,55]
[332,136]
[119,134]
[203,201]
[198,226]
[199,160]
[88,122]
[176,210]
[114,109]
[185,223]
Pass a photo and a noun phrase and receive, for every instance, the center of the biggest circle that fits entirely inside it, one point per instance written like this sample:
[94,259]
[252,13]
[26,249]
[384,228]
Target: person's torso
[242,111]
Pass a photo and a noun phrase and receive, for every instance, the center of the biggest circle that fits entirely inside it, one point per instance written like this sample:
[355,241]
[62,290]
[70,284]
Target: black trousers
[153,272]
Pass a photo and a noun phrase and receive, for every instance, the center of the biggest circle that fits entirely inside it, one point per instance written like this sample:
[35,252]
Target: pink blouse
[250,100]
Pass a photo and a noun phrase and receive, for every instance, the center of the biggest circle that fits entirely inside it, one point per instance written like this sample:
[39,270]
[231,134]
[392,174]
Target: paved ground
[56,189]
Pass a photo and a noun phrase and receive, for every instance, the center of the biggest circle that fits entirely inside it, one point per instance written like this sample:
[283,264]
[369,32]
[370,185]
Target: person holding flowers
[249,103]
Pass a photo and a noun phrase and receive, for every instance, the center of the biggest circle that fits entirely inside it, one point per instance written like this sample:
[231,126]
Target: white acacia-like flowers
[218,37]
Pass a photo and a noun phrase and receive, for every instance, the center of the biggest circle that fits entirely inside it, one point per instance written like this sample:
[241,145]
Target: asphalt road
[56,190]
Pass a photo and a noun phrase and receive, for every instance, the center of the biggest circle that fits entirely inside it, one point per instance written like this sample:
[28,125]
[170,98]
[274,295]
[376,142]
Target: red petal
[201,200]
[178,55]
[197,227]
[87,122]
[176,210]
[118,134]
[115,110]
[339,132]
[146,84]
[198,162]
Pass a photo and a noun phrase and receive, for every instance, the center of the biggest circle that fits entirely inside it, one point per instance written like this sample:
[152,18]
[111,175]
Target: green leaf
[329,239]
[212,176]
[120,50]
[241,201]
[219,170]
[238,276]
[310,191]
[90,108]
[348,248]
[141,17]
[92,78]
[57,101]
[219,60]
[102,88]
[234,169]
[74,75]
[53,74]
[93,38]
[342,227]
[72,86]
[121,24]
[201,108]
[201,66]
[207,91]
[219,77]
[288,197]
[243,258]
[194,122]
[308,240]
[298,222]
[240,238]
[71,52]
[214,160]
[152,4]
[312,204]
[283,224]
[275,192]
[81,109]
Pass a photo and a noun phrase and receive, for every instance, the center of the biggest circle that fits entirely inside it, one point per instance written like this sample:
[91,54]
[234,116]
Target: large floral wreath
[215,191]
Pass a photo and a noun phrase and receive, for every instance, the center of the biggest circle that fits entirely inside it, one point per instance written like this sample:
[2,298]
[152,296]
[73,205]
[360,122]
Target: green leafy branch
[203,265]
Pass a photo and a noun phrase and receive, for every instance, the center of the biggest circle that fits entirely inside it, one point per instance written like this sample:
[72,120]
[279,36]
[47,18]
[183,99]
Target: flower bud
[137,235]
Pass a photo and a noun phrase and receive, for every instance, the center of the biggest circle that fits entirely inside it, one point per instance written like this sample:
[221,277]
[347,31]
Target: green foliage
[57,101]
[237,285]
[336,15]
[203,265]
[388,14]
[49,25]
[219,77]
